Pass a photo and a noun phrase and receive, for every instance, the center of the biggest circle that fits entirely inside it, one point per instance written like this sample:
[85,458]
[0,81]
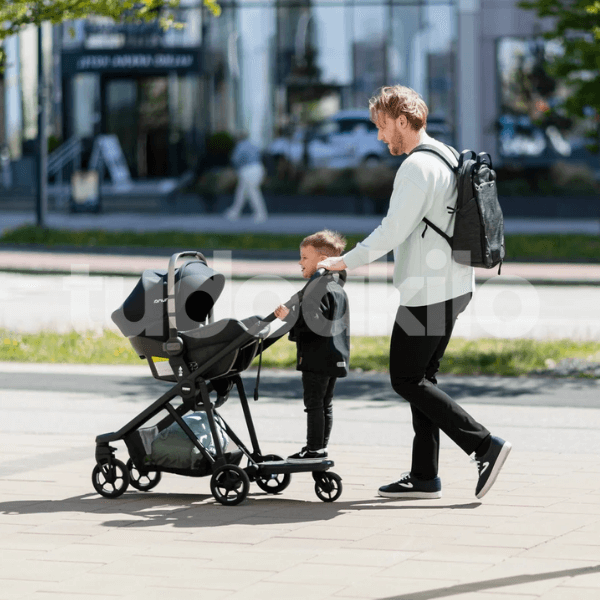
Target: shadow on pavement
[202,510]
[365,387]
[477,586]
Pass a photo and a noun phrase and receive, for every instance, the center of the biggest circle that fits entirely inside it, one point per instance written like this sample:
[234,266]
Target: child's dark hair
[326,242]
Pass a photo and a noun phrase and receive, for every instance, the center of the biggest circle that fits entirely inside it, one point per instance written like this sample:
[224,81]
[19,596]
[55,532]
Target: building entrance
[137,111]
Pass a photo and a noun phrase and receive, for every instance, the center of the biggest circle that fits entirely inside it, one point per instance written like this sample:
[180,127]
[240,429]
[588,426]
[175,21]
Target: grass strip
[32,235]
[519,247]
[553,247]
[505,357]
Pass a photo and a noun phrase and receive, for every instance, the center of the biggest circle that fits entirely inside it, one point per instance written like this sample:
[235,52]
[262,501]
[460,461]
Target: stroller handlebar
[293,300]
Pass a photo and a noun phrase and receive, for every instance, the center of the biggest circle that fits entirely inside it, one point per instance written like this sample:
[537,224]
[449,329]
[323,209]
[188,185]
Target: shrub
[574,178]
[219,147]
[328,182]
[216,181]
[375,182]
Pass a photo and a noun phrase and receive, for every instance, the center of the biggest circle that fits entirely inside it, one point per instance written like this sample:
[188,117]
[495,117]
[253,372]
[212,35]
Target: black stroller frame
[229,482]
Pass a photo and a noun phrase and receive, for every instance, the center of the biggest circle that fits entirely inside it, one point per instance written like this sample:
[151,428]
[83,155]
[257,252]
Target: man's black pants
[419,340]
[318,397]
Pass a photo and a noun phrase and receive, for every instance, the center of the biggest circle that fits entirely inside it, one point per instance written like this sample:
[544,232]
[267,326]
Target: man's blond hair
[396,100]
[326,242]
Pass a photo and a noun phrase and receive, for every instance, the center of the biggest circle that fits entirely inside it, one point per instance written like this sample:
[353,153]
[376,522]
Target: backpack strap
[438,230]
[434,150]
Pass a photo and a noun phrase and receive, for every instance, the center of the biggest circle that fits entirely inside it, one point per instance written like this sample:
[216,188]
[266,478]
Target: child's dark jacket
[321,326]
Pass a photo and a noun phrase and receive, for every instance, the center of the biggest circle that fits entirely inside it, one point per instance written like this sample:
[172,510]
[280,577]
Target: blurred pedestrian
[247,161]
[434,290]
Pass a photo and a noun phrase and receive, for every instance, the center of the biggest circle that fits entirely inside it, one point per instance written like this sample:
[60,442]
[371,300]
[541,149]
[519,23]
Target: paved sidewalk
[300,223]
[534,536]
[36,261]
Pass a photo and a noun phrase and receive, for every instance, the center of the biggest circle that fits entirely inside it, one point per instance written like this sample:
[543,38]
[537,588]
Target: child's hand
[281,312]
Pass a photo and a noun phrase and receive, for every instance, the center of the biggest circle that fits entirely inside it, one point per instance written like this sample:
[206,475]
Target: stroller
[168,318]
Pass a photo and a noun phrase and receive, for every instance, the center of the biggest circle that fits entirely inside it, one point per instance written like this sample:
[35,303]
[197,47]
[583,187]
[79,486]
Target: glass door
[120,111]
[137,111]
[153,127]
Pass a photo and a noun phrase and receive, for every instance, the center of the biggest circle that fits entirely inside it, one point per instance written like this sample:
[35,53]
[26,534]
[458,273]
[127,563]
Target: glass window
[29,81]
[191,34]
[368,47]
[421,56]
[330,39]
[2,113]
[86,96]
[531,123]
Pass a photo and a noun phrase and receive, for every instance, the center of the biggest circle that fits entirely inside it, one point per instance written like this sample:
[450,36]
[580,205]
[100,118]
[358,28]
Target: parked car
[346,139]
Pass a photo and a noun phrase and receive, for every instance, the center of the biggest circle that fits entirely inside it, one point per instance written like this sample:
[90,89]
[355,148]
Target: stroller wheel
[229,485]
[110,479]
[142,481]
[275,483]
[328,486]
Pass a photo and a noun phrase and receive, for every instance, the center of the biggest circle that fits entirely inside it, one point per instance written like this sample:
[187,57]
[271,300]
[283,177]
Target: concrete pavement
[62,262]
[534,536]
[300,223]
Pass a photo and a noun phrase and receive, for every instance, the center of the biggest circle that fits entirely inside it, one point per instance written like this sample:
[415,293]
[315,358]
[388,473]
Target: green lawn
[466,357]
[522,247]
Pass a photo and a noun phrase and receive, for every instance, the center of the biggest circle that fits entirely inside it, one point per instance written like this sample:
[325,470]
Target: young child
[321,330]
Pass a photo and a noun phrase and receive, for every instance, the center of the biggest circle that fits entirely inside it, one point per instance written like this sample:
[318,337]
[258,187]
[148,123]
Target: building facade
[263,66]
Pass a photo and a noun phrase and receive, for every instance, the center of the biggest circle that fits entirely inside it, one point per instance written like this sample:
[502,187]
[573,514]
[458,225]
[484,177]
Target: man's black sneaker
[307,455]
[490,463]
[409,487]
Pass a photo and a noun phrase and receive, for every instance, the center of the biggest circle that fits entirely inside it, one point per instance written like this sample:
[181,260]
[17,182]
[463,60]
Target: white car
[346,139]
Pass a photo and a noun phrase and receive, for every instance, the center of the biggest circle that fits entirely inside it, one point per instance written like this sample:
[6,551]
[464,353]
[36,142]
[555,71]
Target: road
[81,302]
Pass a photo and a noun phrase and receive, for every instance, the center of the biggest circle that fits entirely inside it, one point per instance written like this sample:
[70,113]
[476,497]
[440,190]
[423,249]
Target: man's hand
[333,263]
[281,312]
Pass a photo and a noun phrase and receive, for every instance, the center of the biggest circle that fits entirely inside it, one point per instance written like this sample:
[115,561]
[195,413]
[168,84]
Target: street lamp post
[42,178]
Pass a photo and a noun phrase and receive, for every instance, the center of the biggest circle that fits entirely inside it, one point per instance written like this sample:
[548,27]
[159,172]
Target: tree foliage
[577,28]
[17,14]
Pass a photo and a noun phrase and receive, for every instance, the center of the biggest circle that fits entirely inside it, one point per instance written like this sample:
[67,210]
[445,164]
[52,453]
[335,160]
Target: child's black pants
[318,396]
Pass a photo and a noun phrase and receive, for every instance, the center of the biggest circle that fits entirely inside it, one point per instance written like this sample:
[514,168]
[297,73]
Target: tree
[17,14]
[577,28]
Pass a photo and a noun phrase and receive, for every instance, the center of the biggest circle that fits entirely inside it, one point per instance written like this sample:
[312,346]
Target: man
[250,170]
[434,290]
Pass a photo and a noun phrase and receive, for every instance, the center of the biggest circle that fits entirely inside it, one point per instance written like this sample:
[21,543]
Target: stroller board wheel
[143,481]
[276,482]
[229,485]
[110,479]
[328,486]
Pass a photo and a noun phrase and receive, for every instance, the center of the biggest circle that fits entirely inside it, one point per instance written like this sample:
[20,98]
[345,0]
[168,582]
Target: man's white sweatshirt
[425,272]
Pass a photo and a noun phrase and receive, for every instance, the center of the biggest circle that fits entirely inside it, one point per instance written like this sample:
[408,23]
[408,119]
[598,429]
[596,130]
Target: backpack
[478,239]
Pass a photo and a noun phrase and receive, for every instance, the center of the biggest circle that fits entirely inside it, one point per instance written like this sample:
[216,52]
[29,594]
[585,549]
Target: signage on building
[130,61]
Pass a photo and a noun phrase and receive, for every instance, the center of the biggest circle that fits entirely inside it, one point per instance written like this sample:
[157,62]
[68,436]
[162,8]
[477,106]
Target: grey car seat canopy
[144,312]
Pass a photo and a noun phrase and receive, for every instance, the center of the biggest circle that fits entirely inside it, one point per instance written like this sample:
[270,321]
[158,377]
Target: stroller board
[168,318]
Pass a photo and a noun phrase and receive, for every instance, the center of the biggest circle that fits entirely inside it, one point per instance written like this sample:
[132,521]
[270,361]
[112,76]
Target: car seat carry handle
[174,345]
